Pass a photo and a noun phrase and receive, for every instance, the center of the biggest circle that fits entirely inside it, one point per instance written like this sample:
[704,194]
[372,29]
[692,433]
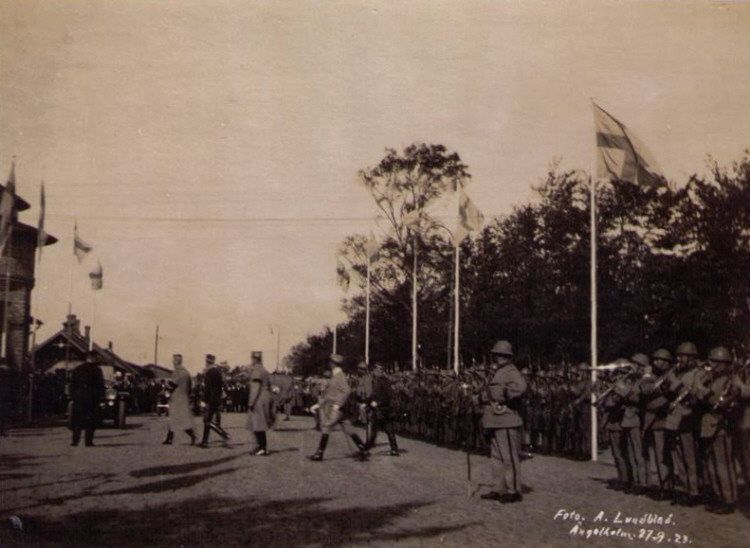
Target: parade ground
[130,490]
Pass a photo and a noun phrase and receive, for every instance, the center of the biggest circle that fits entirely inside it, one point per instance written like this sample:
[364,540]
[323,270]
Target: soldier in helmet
[630,392]
[714,431]
[680,425]
[502,421]
[656,406]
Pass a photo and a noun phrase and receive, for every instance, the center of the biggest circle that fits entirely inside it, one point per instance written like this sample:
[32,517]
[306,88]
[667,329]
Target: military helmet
[503,348]
[662,354]
[720,354]
[640,359]
[687,349]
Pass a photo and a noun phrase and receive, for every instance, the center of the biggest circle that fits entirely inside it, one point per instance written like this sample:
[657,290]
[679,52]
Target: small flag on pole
[470,218]
[621,154]
[97,276]
[41,234]
[372,247]
[80,248]
[7,207]
[343,275]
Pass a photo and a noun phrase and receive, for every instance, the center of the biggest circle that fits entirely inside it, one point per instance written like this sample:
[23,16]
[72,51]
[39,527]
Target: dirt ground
[130,490]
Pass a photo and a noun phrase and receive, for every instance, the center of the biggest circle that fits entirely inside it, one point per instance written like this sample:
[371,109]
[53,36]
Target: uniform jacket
[655,403]
[681,416]
[629,390]
[213,385]
[506,388]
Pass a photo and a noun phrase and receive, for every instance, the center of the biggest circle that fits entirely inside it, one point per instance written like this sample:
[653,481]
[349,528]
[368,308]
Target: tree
[404,185]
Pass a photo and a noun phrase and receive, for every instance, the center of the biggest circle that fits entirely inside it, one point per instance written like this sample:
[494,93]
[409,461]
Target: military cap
[362,365]
[256,355]
[210,358]
[338,359]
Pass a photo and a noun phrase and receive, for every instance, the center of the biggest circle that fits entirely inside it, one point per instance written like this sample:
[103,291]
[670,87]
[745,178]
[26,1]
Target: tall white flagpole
[594,349]
[414,356]
[93,323]
[367,312]
[457,315]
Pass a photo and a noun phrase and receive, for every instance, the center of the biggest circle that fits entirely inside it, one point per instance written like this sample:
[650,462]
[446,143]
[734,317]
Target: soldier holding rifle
[681,425]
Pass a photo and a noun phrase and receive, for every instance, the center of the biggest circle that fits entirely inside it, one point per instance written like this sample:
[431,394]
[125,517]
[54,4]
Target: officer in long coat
[180,417]
[501,419]
[87,392]
[260,413]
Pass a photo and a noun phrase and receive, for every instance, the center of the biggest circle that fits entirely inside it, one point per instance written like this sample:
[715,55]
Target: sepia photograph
[374,273]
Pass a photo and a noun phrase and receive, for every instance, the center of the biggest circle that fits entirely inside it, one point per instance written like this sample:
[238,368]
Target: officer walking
[380,404]
[260,414]
[180,417]
[331,413]
[501,418]
[213,384]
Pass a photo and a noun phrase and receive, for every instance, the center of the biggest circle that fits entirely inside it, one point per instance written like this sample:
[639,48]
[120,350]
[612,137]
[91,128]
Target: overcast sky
[209,150]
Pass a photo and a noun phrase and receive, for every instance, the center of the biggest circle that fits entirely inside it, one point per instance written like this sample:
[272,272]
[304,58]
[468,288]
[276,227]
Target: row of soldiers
[686,419]
[675,426]
[437,406]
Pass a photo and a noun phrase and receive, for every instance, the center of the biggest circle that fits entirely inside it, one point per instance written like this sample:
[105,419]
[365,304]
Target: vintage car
[114,407]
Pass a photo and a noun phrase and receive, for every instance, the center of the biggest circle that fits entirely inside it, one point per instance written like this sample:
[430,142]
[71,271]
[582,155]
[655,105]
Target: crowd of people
[678,428]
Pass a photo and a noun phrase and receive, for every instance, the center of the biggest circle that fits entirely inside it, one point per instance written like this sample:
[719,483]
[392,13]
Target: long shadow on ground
[229,523]
[180,468]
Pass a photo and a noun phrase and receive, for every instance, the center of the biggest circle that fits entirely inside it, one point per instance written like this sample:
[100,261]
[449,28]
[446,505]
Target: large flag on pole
[41,237]
[470,218]
[7,207]
[80,248]
[620,153]
[97,276]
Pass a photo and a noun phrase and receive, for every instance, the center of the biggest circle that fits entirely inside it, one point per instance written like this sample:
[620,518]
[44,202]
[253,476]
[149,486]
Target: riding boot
[318,456]
[358,442]
[190,432]
[262,440]
[89,437]
[76,436]
[206,432]
[169,438]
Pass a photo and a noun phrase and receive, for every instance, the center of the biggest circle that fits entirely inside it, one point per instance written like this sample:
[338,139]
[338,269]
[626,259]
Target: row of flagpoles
[620,155]
[8,214]
[468,219]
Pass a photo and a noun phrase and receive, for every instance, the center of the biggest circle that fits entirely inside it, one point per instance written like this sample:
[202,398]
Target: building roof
[70,343]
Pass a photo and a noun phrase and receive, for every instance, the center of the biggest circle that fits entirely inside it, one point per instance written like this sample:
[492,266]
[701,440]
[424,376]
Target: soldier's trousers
[744,454]
[655,439]
[505,460]
[720,468]
[684,465]
[635,456]
[619,449]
